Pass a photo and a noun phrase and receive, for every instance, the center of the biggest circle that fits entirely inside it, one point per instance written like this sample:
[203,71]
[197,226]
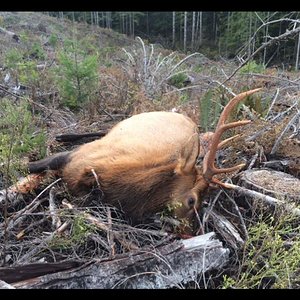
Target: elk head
[191,201]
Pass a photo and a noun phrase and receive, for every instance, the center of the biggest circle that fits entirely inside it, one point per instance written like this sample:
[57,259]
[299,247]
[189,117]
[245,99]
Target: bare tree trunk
[193,30]
[297,54]
[214,27]
[91,15]
[200,29]
[266,39]
[250,33]
[227,35]
[254,29]
[109,19]
[106,20]
[197,26]
[132,24]
[103,19]
[147,23]
[123,23]
[173,29]
[184,31]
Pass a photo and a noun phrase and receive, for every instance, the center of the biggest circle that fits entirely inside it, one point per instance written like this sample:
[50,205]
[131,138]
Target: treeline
[226,34]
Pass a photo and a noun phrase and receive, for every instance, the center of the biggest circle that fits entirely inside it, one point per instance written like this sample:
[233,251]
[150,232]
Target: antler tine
[209,169]
[232,103]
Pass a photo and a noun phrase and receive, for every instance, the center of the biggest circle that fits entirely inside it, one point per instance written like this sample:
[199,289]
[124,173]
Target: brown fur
[142,164]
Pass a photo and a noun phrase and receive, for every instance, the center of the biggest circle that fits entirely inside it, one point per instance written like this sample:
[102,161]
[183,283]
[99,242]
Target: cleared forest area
[61,78]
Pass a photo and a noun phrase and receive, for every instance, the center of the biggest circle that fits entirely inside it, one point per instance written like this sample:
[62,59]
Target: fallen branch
[27,257]
[266,199]
[167,266]
[263,46]
[226,230]
[17,218]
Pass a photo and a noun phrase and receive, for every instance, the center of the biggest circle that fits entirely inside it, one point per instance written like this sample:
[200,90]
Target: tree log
[273,183]
[167,266]
[5,285]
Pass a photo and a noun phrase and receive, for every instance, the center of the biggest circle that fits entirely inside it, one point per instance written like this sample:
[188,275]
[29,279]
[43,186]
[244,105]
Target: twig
[110,234]
[102,226]
[211,206]
[31,226]
[16,218]
[259,151]
[283,132]
[273,102]
[56,222]
[25,258]
[201,229]
[284,112]
[107,113]
[236,209]
[265,198]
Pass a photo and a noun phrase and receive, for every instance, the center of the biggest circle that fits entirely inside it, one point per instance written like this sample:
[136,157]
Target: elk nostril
[191,202]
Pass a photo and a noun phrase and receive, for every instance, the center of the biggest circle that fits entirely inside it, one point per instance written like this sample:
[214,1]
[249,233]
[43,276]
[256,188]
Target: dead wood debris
[171,265]
[53,241]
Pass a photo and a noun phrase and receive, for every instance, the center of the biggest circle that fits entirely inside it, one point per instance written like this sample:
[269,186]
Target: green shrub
[178,80]
[53,40]
[271,255]
[78,234]
[76,75]
[36,52]
[23,71]
[210,109]
[252,67]
[17,136]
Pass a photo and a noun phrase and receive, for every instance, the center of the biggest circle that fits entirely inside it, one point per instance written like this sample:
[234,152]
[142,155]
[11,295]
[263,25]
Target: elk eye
[191,202]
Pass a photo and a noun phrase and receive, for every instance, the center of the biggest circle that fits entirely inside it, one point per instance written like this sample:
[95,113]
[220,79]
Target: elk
[143,164]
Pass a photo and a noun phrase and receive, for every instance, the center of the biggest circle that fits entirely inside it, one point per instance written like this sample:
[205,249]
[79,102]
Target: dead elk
[145,163]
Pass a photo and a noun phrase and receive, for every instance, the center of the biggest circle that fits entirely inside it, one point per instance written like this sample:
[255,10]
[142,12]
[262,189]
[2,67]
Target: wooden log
[226,230]
[168,266]
[273,183]
[6,286]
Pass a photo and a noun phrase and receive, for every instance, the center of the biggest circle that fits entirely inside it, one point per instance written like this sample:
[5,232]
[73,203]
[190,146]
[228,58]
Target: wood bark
[168,266]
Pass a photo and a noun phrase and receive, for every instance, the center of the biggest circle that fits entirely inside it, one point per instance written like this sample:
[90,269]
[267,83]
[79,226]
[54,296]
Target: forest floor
[57,78]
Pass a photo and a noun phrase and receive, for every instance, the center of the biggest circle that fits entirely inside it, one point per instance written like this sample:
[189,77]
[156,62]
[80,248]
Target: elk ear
[188,156]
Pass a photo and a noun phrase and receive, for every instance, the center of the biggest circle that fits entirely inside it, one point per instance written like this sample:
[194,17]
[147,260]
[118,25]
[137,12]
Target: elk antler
[209,169]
